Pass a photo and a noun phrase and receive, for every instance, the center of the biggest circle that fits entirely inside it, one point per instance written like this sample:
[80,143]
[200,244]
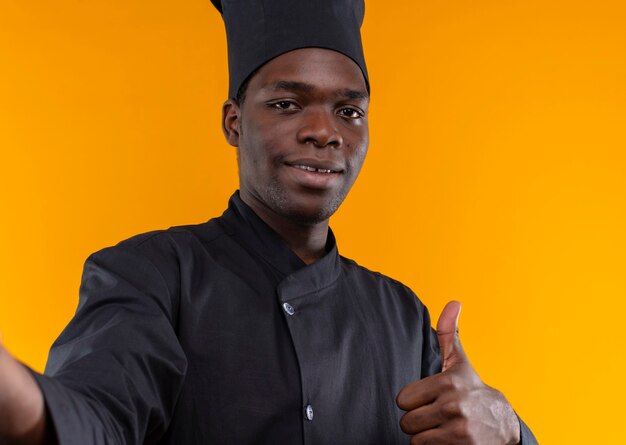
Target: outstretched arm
[23,418]
[114,374]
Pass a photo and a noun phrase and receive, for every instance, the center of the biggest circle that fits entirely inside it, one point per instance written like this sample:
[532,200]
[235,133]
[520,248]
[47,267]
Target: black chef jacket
[219,334]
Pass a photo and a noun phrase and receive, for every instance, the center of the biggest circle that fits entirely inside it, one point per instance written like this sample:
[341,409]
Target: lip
[317,164]
[313,179]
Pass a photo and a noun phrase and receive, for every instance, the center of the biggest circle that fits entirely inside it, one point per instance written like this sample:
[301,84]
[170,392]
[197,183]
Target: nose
[320,129]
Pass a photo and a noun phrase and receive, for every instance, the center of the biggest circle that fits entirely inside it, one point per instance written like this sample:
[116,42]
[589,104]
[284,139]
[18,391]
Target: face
[301,134]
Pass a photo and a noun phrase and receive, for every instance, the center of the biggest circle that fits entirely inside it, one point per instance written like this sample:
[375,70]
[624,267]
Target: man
[251,328]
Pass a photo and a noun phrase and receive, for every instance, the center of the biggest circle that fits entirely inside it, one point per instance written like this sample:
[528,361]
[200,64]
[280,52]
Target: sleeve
[114,374]
[526,435]
[431,355]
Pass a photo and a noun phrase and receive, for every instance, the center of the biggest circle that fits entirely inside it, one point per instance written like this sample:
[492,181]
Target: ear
[231,121]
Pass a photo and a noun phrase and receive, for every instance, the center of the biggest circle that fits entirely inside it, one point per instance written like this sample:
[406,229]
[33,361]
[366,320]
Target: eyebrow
[354,94]
[303,87]
[290,85]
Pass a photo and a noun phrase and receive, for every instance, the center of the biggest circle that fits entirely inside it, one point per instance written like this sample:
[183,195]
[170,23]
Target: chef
[251,328]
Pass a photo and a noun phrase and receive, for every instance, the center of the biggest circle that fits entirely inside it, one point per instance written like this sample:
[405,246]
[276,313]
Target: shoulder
[176,236]
[153,263]
[353,268]
[172,242]
[383,284]
[165,251]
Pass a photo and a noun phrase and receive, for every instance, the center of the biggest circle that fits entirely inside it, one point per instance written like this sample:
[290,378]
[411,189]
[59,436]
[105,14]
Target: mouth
[308,168]
[315,166]
[314,174]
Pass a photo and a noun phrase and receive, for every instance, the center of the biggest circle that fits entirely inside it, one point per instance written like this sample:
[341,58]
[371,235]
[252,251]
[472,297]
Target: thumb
[448,334]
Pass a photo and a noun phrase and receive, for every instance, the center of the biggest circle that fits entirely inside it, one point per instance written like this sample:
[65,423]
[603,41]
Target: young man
[251,328]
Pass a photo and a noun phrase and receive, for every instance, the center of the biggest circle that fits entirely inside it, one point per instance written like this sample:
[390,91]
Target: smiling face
[301,134]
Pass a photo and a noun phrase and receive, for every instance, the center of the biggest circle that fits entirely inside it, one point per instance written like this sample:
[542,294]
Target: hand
[22,408]
[455,406]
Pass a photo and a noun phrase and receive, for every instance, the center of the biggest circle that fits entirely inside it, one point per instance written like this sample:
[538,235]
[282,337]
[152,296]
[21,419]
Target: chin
[307,211]
[307,207]
[308,217]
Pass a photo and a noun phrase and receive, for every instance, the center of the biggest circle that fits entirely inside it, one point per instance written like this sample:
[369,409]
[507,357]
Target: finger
[451,433]
[429,437]
[422,392]
[421,419]
[448,334]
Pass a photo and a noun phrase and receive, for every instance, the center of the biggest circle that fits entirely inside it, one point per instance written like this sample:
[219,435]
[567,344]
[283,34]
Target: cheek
[264,143]
[357,140]
[357,154]
[251,148]
[360,159]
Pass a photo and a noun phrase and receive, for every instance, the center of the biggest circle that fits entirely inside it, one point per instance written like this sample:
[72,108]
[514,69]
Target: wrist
[23,419]
[513,428]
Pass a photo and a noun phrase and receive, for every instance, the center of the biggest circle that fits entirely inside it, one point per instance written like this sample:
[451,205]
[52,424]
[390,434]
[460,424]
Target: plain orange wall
[496,173]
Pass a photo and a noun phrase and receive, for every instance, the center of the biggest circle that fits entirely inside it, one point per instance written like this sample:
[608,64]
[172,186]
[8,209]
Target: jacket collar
[297,277]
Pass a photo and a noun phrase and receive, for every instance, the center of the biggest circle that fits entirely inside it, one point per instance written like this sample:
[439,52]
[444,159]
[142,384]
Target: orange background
[496,173]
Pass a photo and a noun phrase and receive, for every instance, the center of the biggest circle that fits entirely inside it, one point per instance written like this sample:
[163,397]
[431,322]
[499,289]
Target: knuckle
[429,441]
[457,382]
[451,409]
[448,382]
[461,429]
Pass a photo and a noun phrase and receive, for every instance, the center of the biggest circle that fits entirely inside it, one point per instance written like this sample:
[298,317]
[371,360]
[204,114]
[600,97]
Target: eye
[351,113]
[284,105]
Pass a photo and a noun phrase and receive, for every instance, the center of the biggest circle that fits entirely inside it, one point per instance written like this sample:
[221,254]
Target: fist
[455,406]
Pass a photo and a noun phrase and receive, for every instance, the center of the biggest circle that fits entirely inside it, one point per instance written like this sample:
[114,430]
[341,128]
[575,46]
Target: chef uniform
[218,333]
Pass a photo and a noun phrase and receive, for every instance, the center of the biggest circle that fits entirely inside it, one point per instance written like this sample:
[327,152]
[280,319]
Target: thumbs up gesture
[455,406]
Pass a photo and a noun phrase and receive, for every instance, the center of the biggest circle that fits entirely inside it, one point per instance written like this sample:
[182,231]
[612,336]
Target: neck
[307,241]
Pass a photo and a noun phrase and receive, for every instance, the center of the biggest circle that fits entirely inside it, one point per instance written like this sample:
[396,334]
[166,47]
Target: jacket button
[308,412]
[289,309]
